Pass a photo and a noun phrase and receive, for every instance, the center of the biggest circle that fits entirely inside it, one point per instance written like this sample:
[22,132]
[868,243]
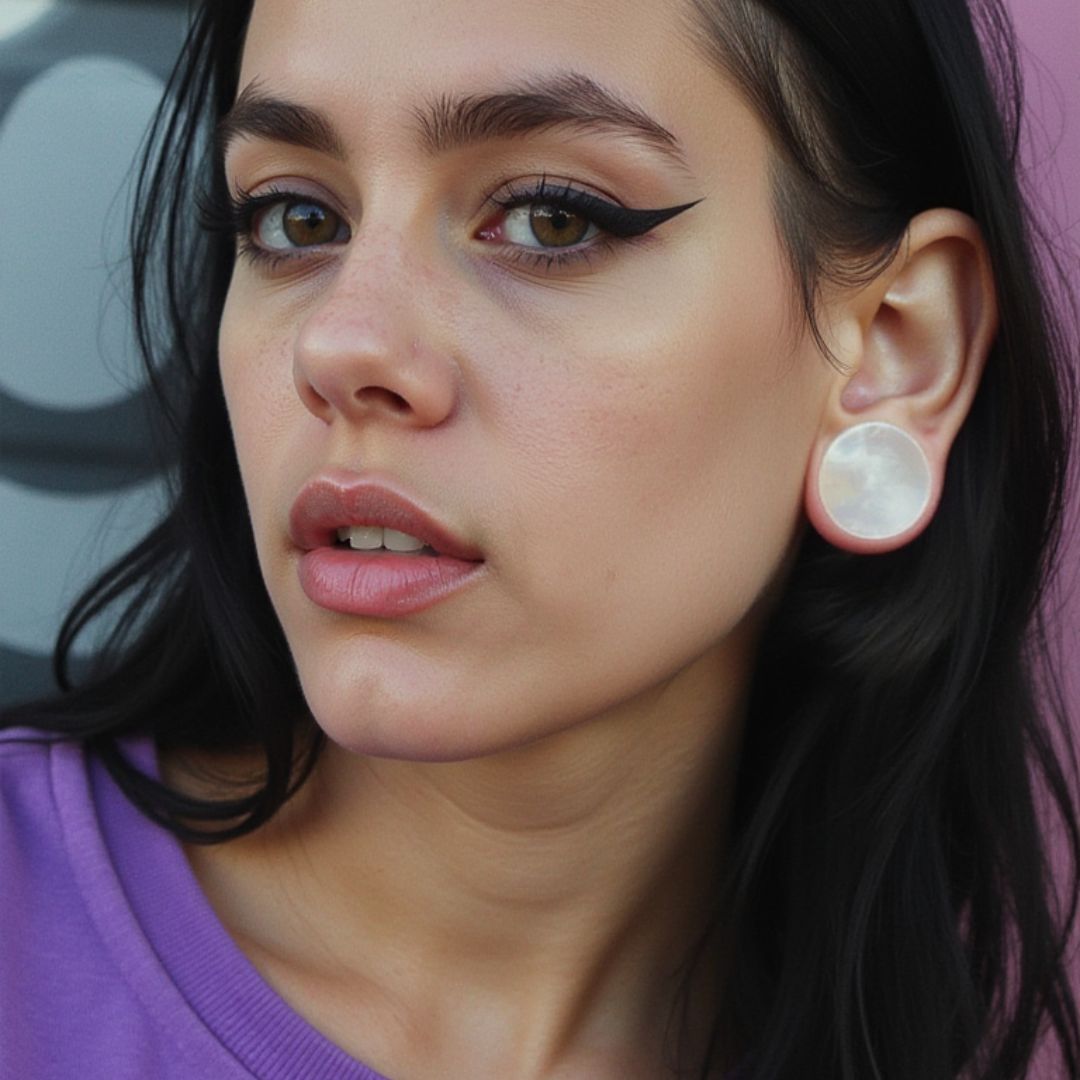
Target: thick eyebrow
[449,122]
[256,114]
[568,99]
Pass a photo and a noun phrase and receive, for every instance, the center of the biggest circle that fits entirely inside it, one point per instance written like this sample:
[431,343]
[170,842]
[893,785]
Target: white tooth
[399,541]
[365,537]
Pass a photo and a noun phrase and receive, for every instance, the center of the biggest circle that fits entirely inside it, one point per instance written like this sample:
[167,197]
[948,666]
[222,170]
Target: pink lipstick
[341,522]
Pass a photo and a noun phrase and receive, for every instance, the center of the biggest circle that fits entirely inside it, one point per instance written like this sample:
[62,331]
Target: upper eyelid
[544,188]
[572,197]
[284,190]
[286,186]
[611,216]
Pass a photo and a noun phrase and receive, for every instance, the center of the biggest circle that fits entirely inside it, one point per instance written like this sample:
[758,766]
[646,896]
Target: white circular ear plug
[875,481]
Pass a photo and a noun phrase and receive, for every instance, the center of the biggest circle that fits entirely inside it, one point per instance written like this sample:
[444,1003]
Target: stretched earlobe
[917,340]
[875,482]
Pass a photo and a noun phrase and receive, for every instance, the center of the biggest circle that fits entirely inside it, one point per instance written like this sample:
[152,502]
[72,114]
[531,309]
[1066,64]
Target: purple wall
[1050,33]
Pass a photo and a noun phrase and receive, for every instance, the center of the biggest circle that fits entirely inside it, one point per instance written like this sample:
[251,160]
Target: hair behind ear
[890,874]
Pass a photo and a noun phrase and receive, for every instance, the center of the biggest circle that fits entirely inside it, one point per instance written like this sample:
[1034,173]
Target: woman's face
[612,430]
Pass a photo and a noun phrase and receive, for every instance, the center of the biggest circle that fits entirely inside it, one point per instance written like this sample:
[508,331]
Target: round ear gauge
[875,481]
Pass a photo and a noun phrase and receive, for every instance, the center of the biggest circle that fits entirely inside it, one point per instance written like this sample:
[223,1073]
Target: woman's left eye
[546,225]
[557,222]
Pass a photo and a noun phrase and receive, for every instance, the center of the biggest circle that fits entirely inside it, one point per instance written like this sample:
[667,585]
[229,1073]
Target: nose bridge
[372,342]
[378,262]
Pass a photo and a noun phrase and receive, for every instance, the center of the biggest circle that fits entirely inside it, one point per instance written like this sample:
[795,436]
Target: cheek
[650,491]
[256,377]
[662,462]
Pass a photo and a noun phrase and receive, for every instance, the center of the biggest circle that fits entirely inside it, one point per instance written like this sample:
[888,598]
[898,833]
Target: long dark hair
[887,891]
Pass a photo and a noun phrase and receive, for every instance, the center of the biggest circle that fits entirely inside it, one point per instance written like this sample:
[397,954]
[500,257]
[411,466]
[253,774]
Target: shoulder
[28,814]
[48,943]
[22,742]
[39,892]
[82,992]
[43,782]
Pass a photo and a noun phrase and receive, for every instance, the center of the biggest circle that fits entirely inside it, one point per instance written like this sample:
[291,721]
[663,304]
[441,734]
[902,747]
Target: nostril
[380,397]
[359,381]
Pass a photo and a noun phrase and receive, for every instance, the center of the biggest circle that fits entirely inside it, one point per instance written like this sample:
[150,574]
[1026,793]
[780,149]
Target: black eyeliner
[619,221]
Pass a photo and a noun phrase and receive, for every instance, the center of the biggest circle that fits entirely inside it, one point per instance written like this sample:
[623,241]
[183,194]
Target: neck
[562,883]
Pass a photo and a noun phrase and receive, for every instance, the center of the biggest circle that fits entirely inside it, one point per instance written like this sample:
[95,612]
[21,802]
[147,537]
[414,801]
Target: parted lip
[336,499]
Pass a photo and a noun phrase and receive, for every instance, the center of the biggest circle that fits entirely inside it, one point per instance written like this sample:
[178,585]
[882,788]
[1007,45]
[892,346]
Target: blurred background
[79,80]
[78,84]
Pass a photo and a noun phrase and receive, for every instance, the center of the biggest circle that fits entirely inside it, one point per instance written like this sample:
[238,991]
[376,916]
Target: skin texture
[510,841]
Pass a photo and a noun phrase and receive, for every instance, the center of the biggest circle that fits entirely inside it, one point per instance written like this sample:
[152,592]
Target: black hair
[887,889]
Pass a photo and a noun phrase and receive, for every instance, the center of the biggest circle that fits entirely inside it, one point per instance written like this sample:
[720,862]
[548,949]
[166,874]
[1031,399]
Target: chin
[383,711]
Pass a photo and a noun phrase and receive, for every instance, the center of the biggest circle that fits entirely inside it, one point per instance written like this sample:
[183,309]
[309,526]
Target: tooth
[399,541]
[365,537]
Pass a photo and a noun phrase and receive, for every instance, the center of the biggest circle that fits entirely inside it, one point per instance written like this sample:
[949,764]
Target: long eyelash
[618,221]
[219,211]
[225,214]
[620,224]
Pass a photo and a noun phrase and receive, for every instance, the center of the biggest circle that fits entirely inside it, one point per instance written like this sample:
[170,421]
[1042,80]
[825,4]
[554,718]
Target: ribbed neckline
[167,939]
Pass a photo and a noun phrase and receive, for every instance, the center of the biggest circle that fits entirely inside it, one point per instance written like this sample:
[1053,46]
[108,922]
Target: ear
[914,343]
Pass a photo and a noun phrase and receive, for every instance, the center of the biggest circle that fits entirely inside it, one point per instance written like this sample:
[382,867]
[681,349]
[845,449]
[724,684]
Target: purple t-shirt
[113,965]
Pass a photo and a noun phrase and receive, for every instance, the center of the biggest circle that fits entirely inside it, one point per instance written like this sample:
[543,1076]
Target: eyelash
[618,224]
[235,215]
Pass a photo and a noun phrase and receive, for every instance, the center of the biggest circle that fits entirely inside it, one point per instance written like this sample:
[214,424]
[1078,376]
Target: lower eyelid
[551,259]
[268,260]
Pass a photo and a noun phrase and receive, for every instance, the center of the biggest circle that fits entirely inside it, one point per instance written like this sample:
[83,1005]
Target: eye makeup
[554,207]
[241,216]
[609,222]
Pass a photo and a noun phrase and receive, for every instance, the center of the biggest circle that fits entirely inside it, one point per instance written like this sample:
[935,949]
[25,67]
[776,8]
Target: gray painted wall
[78,84]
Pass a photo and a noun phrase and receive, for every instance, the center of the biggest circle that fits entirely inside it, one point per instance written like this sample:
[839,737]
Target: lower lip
[382,583]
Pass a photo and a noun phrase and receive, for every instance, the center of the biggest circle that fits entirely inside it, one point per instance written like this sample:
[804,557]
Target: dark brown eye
[297,223]
[557,226]
[306,224]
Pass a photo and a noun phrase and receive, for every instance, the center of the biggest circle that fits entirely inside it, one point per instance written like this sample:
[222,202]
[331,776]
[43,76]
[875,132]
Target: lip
[336,499]
[380,584]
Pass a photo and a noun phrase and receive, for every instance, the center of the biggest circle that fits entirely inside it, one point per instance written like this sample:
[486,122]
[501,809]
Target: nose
[370,347]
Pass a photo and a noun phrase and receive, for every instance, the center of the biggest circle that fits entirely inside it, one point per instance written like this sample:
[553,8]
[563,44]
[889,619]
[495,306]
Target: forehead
[376,63]
[498,35]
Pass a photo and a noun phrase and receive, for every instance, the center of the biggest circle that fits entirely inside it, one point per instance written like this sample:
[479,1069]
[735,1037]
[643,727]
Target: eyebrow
[256,114]
[449,122]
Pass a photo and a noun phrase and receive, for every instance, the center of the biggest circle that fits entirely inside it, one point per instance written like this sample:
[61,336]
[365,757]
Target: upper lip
[335,500]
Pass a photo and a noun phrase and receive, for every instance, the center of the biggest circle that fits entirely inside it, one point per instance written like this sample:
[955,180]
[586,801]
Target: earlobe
[924,329]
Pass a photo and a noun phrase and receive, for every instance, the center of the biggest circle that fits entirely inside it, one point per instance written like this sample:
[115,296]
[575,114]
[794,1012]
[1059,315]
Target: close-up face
[454,316]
